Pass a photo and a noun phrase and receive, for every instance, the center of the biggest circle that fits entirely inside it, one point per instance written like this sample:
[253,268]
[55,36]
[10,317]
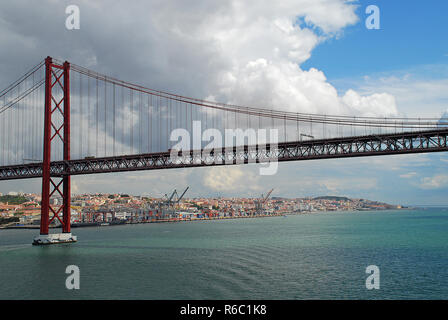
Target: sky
[312,56]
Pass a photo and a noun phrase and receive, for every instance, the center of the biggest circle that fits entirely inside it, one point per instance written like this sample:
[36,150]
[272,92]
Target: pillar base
[54,238]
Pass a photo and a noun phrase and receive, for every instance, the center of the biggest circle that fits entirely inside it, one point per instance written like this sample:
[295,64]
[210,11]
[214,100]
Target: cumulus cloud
[237,51]
[261,53]
[338,186]
[233,179]
[434,182]
[419,91]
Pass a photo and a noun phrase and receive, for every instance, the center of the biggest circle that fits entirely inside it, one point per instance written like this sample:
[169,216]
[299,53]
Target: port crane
[182,195]
[169,202]
[168,205]
[260,203]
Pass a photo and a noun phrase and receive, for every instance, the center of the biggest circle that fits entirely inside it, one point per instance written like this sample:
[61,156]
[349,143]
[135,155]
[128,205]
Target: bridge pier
[52,185]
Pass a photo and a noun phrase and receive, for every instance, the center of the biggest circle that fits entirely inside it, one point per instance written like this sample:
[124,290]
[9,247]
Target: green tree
[13,199]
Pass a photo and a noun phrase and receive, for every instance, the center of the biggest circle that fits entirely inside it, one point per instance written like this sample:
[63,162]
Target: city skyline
[23,210]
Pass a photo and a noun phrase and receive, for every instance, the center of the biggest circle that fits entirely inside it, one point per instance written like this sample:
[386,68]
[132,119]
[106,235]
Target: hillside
[334,198]
[13,199]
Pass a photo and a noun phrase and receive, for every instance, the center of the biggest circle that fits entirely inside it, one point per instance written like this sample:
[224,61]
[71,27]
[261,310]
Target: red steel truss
[56,127]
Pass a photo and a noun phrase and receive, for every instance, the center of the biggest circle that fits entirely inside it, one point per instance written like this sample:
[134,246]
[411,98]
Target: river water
[310,256]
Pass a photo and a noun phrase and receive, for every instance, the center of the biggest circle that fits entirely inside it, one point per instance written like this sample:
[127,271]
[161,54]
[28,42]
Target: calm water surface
[313,256]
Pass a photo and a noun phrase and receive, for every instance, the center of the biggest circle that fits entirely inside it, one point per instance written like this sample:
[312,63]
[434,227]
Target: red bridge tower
[56,133]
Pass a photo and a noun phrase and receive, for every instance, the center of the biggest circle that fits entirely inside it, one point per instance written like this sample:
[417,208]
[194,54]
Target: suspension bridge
[61,119]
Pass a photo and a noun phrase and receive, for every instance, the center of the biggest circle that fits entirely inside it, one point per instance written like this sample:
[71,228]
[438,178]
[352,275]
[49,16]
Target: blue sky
[412,33]
[189,50]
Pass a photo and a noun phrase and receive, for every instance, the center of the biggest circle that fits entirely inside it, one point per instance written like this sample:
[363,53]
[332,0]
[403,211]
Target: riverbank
[105,224]
[111,224]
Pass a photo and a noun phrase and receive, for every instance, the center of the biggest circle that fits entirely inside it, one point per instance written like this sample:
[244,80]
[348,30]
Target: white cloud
[372,105]
[391,163]
[435,182]
[283,85]
[408,175]
[418,92]
[231,179]
[337,185]
[246,52]
[261,51]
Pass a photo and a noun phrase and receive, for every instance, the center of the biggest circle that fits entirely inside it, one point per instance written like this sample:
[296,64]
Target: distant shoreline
[103,224]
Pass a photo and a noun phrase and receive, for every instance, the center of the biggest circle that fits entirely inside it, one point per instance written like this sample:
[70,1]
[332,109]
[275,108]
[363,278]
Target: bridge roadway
[361,146]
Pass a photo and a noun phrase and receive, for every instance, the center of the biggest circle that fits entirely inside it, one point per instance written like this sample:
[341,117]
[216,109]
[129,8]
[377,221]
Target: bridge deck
[360,146]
